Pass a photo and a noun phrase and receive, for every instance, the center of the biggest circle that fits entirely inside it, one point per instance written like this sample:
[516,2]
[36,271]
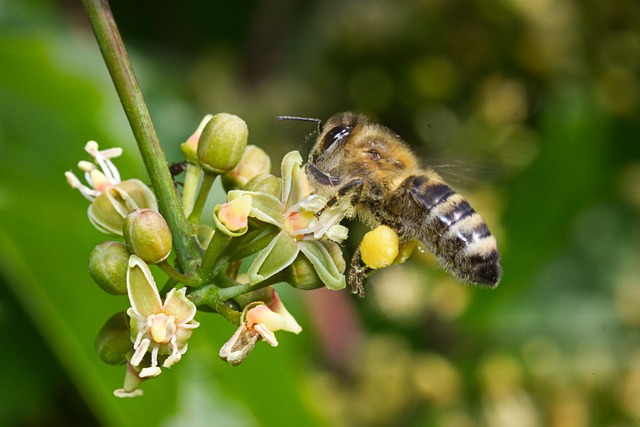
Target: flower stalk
[126,84]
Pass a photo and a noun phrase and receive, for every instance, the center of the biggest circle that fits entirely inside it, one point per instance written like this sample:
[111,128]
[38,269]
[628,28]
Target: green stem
[205,187]
[218,244]
[228,313]
[124,79]
[169,284]
[207,296]
[177,276]
[224,294]
[253,246]
[212,295]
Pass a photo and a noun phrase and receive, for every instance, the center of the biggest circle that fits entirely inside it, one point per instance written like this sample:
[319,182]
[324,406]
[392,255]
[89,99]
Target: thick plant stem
[124,79]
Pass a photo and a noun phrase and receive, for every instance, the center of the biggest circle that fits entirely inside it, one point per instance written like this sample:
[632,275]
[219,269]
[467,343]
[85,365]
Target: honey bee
[369,169]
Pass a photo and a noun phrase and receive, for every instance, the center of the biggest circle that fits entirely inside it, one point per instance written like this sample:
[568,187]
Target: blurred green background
[529,108]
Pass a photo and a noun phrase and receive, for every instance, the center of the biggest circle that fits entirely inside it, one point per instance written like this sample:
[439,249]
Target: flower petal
[264,207]
[239,346]
[324,264]
[266,334]
[234,214]
[142,289]
[290,323]
[292,188]
[140,196]
[278,254]
[179,306]
[227,222]
[261,314]
[104,216]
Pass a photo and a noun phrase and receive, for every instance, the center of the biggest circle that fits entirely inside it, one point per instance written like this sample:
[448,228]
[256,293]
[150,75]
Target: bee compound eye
[335,134]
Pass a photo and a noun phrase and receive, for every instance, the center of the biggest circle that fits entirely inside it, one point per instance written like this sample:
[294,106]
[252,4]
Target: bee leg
[357,273]
[353,186]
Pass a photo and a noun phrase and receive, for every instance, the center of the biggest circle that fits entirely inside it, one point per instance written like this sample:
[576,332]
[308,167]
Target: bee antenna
[301,119]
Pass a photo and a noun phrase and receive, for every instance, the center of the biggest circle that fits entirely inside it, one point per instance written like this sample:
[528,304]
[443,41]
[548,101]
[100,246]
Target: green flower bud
[108,210]
[190,147]
[264,183]
[222,143]
[108,265]
[189,151]
[254,161]
[113,342]
[147,235]
[303,275]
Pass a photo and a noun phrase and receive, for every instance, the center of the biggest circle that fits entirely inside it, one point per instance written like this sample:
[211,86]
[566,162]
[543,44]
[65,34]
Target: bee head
[335,132]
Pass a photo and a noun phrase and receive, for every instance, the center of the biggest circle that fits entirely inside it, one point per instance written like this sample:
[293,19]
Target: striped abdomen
[453,231]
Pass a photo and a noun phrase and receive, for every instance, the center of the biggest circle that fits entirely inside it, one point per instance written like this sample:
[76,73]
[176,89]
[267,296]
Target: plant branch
[126,84]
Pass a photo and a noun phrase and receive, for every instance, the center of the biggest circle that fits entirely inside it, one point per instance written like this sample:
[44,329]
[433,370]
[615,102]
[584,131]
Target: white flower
[295,213]
[258,321]
[157,328]
[111,199]
[98,179]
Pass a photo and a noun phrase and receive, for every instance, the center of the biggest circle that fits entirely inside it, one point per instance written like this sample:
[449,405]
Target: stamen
[266,334]
[141,350]
[75,183]
[176,354]
[91,147]
[112,153]
[86,166]
[172,360]
[123,393]
[154,355]
[152,371]
[102,159]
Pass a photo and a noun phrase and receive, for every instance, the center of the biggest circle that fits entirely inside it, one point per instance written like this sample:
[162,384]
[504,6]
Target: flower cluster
[275,219]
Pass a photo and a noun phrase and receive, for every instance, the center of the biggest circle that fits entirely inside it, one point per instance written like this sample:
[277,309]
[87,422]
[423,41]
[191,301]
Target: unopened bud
[113,342]
[254,161]
[222,143]
[303,275]
[190,147]
[147,235]
[108,265]
[379,247]
[264,183]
